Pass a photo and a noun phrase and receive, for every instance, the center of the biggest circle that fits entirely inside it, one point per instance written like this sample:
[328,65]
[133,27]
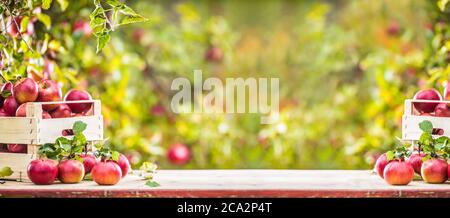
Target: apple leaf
[426,126]
[45,19]
[115,156]
[5,172]
[88,177]
[46,4]
[6,93]
[79,127]
[442,4]
[63,4]
[152,183]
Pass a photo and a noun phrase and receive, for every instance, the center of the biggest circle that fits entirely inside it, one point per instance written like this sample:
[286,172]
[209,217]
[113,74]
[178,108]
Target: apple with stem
[428,94]
[398,173]
[106,173]
[434,171]
[49,91]
[42,171]
[78,95]
[25,90]
[71,171]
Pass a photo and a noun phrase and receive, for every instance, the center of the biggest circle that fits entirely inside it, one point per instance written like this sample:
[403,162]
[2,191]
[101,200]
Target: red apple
[214,54]
[393,28]
[428,94]
[25,90]
[380,164]
[3,113]
[46,115]
[398,173]
[49,91]
[416,162]
[16,148]
[124,165]
[78,95]
[178,154]
[62,111]
[22,112]
[434,171]
[442,110]
[82,27]
[106,173]
[70,171]
[89,162]
[42,172]
[10,106]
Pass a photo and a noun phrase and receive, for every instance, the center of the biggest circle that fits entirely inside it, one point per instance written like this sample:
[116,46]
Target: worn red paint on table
[239,183]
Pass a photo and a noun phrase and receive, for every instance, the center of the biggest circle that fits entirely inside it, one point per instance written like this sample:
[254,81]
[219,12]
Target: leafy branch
[433,147]
[65,148]
[107,16]
[147,171]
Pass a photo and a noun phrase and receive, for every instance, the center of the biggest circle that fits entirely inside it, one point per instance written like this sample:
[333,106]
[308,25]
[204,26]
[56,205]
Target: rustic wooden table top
[238,183]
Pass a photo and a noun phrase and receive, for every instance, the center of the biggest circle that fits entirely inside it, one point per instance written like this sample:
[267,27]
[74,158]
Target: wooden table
[238,183]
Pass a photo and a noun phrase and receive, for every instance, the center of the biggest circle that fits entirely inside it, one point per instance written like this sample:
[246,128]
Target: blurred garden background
[345,68]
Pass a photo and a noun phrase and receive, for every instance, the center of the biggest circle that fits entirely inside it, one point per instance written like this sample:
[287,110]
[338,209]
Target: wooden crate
[411,120]
[34,131]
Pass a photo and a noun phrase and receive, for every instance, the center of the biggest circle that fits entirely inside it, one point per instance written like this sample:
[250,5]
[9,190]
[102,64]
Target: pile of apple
[70,171]
[400,171]
[432,108]
[15,96]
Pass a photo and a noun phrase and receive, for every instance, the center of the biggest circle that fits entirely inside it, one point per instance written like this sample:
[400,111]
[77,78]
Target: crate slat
[17,162]
[50,129]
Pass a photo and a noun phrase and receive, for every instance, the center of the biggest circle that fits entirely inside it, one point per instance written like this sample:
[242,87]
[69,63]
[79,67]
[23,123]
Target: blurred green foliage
[345,68]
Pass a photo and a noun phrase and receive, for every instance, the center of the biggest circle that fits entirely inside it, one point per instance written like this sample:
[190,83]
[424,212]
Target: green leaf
[102,40]
[442,4]
[129,16]
[79,127]
[46,4]
[88,177]
[115,156]
[63,3]
[5,172]
[390,155]
[6,93]
[152,183]
[426,126]
[45,19]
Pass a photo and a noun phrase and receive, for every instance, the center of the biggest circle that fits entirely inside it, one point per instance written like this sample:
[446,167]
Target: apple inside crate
[33,131]
[437,112]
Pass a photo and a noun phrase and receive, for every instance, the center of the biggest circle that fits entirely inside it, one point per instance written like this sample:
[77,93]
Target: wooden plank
[412,131]
[239,183]
[17,130]
[50,129]
[17,162]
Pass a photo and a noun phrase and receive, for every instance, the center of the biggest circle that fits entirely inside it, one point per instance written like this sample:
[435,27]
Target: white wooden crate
[411,120]
[34,131]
